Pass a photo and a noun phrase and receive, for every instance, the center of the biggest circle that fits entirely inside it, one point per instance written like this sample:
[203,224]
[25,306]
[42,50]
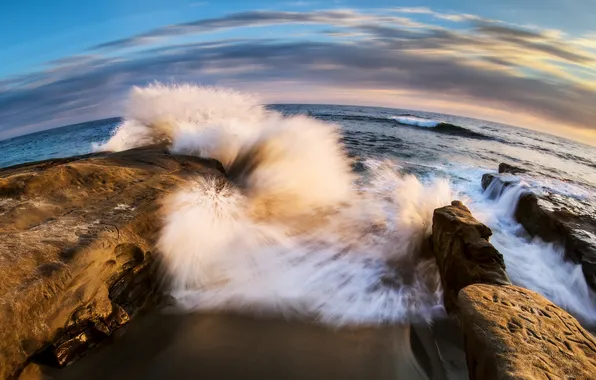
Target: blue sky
[528,63]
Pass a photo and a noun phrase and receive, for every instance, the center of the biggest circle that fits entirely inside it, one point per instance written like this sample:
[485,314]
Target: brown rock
[577,233]
[494,184]
[514,333]
[506,168]
[463,252]
[76,237]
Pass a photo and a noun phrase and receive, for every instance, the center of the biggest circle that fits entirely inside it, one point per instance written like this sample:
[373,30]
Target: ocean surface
[432,156]
[556,164]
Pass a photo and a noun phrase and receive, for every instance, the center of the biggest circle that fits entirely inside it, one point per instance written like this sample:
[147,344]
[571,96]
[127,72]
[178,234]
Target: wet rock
[506,168]
[577,233]
[75,249]
[495,184]
[514,333]
[549,219]
[463,252]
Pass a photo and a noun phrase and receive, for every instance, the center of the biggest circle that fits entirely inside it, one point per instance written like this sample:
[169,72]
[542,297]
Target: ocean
[402,165]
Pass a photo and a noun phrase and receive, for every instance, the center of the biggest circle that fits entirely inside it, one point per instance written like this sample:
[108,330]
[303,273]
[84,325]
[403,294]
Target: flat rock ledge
[509,332]
[76,240]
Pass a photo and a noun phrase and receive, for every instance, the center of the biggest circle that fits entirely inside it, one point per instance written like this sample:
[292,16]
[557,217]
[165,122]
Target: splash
[291,230]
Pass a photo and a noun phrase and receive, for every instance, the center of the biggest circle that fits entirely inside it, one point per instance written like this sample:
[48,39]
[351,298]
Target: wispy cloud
[528,74]
[252,19]
[300,3]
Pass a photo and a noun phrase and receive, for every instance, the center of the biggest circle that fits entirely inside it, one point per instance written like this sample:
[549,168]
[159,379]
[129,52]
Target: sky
[528,63]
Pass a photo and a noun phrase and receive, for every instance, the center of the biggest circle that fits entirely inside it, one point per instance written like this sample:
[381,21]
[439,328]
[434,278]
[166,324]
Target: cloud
[505,68]
[300,3]
[253,19]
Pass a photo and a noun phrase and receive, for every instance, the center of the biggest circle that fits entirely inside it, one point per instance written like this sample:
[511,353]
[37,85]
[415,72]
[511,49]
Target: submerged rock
[514,333]
[76,237]
[506,168]
[463,252]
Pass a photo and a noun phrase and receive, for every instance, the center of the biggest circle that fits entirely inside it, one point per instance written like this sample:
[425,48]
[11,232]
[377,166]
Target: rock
[506,168]
[548,218]
[514,333]
[463,252]
[577,233]
[76,237]
[494,184]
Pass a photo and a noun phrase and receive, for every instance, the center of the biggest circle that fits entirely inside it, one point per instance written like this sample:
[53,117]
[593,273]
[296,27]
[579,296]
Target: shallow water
[216,346]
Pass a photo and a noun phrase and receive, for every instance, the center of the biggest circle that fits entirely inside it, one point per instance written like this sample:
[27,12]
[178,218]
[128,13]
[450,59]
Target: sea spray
[356,265]
[293,231]
[205,121]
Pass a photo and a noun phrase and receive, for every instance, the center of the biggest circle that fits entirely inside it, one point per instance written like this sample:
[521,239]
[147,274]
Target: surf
[292,230]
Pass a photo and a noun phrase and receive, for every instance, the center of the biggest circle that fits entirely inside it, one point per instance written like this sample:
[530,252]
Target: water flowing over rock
[552,223]
[75,249]
[577,233]
[494,184]
[509,332]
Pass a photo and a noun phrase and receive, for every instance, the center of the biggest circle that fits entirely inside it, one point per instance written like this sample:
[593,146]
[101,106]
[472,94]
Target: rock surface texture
[463,253]
[514,333]
[509,332]
[76,237]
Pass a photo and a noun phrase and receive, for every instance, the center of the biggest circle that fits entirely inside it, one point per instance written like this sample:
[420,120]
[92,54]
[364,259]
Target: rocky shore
[76,244]
[548,218]
[77,263]
[509,332]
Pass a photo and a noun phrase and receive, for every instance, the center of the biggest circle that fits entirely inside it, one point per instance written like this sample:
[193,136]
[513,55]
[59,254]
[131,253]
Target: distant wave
[409,120]
[416,121]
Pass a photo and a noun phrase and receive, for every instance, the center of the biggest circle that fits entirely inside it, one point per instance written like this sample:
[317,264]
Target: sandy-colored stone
[514,333]
[76,237]
[463,252]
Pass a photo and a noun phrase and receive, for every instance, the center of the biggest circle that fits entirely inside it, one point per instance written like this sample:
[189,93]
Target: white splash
[292,231]
[416,121]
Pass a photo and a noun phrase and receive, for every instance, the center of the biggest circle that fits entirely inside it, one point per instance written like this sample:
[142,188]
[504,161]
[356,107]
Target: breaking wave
[291,230]
[408,120]
[416,121]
